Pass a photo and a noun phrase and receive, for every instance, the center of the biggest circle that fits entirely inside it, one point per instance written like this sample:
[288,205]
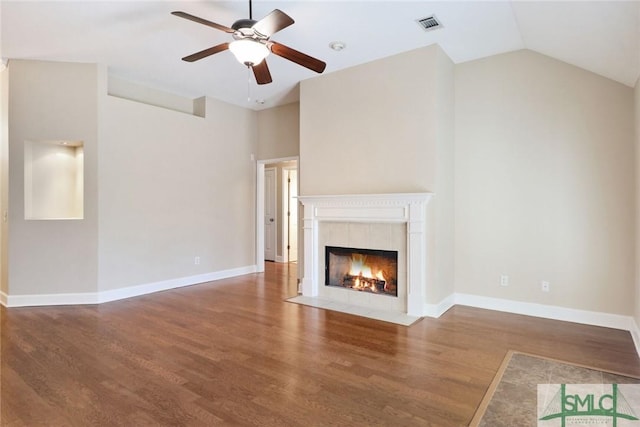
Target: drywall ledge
[122,293]
[121,88]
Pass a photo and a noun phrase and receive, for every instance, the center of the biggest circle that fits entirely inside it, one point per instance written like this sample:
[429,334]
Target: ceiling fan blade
[297,57]
[261,72]
[202,21]
[272,23]
[207,52]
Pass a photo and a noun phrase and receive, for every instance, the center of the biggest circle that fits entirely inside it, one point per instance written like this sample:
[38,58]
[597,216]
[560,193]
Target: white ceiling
[142,42]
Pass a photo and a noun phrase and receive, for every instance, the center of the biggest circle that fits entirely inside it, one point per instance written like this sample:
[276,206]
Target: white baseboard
[120,293]
[595,318]
[437,310]
[51,299]
[586,317]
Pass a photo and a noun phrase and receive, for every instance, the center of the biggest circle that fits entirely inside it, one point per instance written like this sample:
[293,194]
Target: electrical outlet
[545,286]
[196,260]
[504,280]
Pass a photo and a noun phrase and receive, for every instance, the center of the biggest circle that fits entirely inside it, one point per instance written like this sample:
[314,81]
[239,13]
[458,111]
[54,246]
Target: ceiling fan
[252,43]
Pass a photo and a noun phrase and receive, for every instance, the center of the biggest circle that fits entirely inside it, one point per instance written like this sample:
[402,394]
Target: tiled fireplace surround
[394,222]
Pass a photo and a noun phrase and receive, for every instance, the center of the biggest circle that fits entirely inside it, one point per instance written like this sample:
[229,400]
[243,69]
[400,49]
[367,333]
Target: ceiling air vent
[429,23]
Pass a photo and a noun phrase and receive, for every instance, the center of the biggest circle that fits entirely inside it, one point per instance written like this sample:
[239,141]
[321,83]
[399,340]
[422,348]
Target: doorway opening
[277,211]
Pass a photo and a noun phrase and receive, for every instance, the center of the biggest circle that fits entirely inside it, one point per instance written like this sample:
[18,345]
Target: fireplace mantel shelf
[393,207]
[409,208]
[393,199]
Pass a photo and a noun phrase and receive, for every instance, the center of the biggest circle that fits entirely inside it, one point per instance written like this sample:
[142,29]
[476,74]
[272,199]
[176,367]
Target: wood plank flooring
[233,352]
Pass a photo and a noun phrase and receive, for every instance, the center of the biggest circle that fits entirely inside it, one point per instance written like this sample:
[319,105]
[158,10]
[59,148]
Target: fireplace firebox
[364,270]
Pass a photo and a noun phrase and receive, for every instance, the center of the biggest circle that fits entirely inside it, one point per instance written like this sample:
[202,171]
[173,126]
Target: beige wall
[279,138]
[4,170]
[279,132]
[52,101]
[637,195]
[371,126]
[443,202]
[4,178]
[543,155]
[544,180]
[172,187]
[161,187]
[386,127]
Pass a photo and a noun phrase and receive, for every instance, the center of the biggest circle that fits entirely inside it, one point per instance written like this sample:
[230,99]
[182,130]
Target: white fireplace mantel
[409,208]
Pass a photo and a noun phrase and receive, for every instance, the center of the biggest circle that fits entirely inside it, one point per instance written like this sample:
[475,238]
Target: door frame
[276,219]
[285,207]
[260,166]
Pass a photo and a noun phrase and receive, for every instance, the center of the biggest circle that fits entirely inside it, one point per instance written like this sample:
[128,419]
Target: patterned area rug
[513,398]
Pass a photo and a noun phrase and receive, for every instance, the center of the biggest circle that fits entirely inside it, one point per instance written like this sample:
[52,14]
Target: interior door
[293,214]
[270,214]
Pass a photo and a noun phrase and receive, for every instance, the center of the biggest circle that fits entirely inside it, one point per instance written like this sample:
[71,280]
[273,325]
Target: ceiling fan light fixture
[248,52]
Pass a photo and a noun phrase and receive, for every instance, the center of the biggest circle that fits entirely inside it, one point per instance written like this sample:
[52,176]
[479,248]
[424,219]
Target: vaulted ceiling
[141,41]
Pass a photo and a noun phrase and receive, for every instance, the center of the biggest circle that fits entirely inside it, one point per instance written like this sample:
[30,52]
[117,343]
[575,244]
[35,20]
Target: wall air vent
[429,23]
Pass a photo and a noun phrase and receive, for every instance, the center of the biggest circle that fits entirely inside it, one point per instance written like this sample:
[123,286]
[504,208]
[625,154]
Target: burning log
[363,283]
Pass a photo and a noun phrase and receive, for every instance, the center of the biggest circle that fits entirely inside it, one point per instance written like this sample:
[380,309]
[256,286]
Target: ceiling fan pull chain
[248,84]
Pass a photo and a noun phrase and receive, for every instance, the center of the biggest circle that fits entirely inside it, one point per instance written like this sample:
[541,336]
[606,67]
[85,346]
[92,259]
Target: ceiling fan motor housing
[244,29]
[243,23]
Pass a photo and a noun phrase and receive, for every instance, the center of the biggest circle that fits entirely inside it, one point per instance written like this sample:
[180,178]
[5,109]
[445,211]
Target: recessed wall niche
[53,180]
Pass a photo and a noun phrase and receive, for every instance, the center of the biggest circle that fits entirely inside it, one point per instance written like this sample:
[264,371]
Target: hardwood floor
[233,352]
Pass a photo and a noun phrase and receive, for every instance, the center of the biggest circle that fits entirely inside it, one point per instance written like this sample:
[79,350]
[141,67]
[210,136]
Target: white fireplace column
[408,208]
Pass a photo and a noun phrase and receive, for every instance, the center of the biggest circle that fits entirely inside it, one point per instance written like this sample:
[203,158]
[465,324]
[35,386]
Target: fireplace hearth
[363,270]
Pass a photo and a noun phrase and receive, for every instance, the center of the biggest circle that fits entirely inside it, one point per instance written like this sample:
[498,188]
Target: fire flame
[363,272]
[358,266]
